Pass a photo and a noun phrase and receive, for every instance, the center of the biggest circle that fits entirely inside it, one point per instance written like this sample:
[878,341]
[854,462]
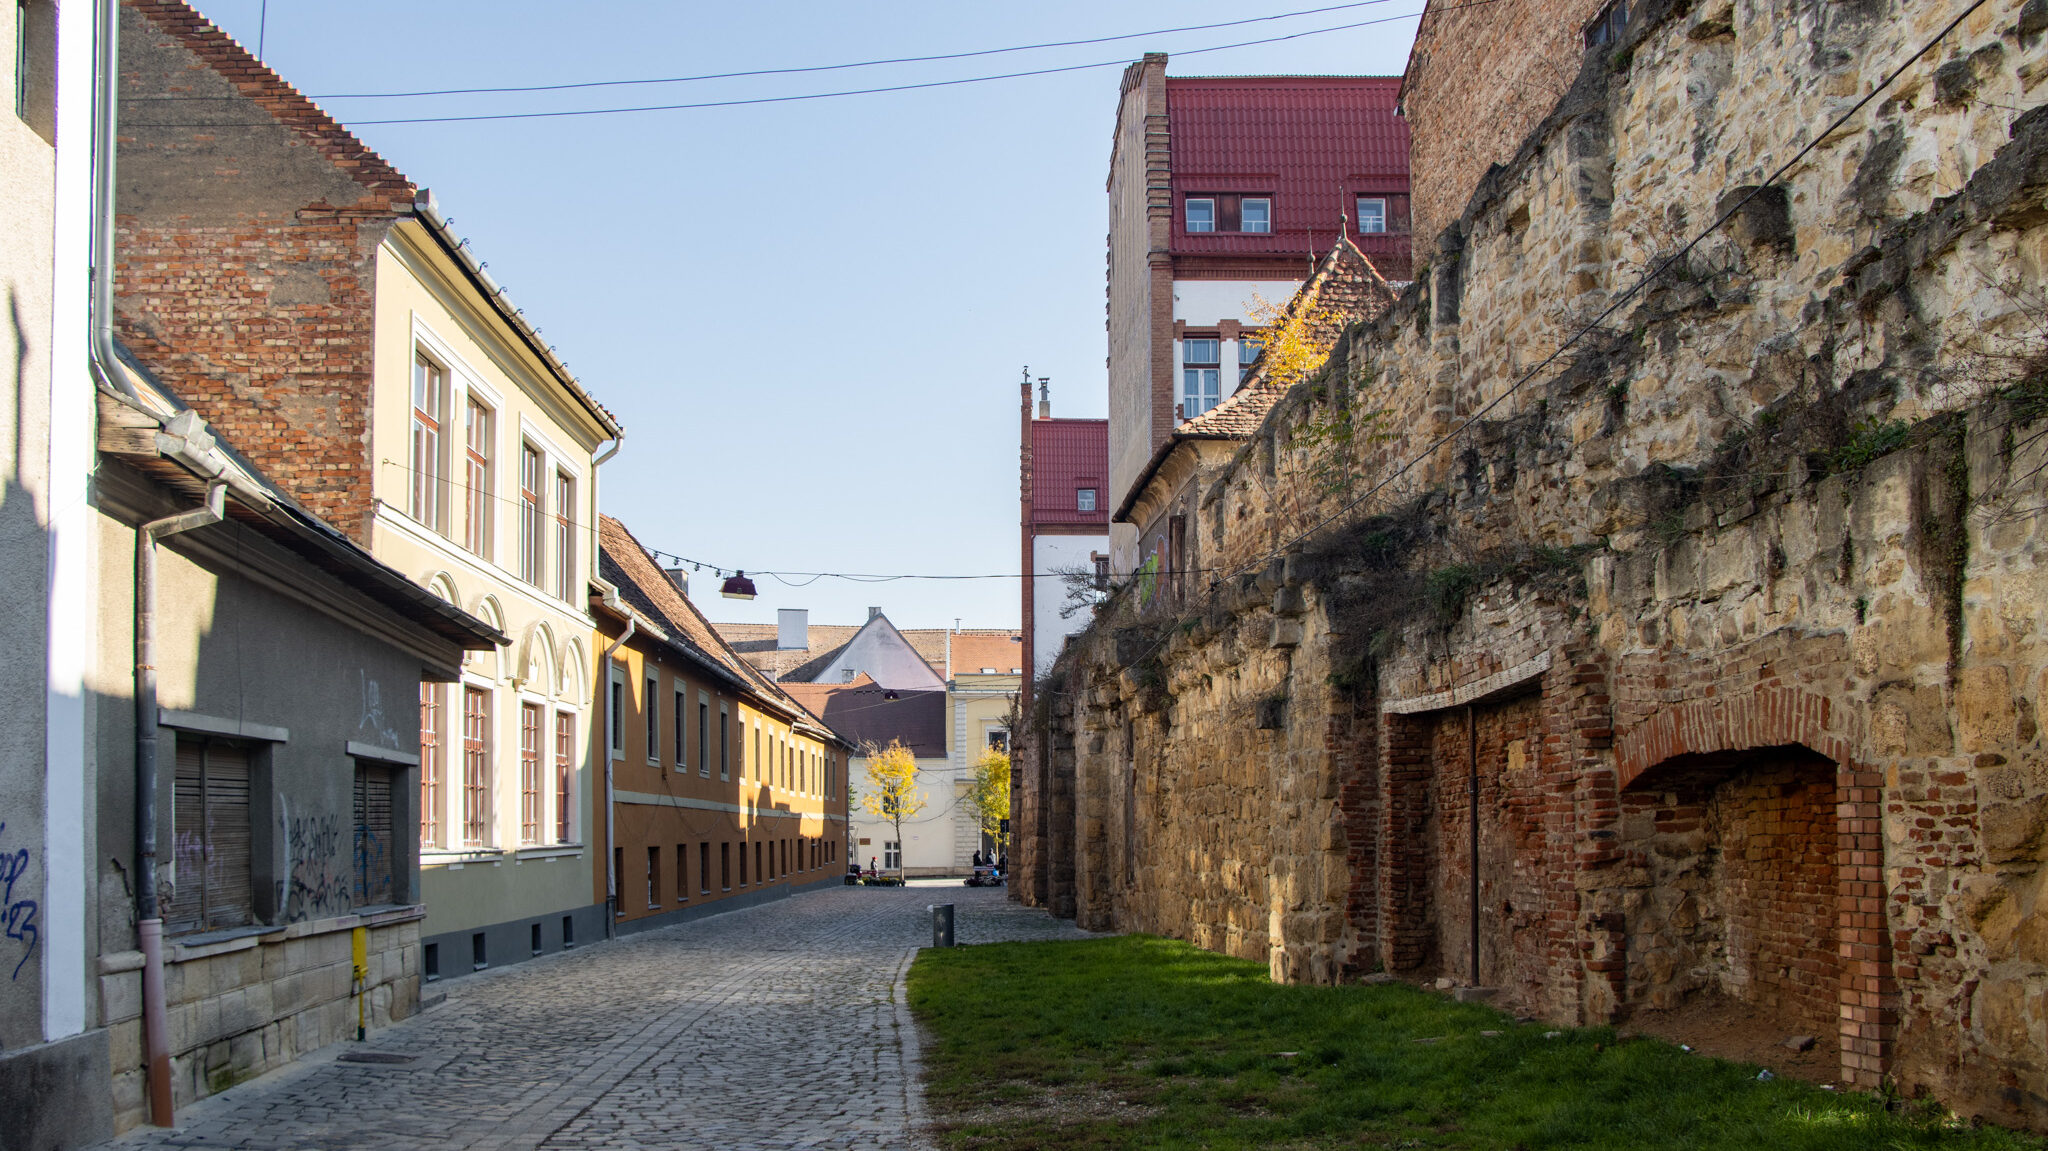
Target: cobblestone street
[777,1026]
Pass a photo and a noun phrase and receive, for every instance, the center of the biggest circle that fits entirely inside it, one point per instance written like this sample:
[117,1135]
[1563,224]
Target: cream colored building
[488,496]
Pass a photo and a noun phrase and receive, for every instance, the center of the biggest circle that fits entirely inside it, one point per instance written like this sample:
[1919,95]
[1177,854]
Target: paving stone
[775,1026]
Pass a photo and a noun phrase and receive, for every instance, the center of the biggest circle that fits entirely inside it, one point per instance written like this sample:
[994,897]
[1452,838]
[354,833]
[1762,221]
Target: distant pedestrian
[1004,863]
[977,859]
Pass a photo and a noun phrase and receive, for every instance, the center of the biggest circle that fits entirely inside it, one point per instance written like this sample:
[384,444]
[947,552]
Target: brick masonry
[248,224]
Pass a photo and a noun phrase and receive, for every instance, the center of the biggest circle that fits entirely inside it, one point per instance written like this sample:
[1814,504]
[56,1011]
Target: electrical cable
[491,116]
[842,67]
[1633,290]
[1117,63]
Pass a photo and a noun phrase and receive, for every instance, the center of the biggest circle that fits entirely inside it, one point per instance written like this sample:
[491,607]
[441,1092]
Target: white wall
[929,836]
[1048,630]
[1206,303]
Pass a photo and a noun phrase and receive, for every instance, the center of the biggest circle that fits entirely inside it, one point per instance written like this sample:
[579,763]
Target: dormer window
[1372,214]
[1084,499]
[1228,213]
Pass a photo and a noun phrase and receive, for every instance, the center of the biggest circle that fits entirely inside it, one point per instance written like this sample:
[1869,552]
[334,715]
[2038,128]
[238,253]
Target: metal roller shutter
[210,839]
[375,837]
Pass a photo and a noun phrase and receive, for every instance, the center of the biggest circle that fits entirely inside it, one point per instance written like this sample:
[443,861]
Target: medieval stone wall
[1732,603]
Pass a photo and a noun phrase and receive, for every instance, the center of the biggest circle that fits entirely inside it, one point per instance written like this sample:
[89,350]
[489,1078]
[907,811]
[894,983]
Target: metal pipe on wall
[604,700]
[149,917]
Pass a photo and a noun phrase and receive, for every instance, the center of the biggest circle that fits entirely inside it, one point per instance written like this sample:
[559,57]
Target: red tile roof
[1311,141]
[627,566]
[1350,287]
[1067,455]
[1004,653]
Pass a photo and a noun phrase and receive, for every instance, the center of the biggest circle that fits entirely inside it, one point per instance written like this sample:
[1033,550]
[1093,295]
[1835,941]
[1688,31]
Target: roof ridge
[292,109]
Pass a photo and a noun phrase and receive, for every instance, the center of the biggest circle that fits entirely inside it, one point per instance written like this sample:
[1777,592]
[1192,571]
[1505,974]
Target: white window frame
[1187,214]
[651,717]
[1268,221]
[1215,366]
[615,711]
[1381,221]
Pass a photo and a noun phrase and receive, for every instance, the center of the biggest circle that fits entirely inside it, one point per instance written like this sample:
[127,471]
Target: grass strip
[1136,1041]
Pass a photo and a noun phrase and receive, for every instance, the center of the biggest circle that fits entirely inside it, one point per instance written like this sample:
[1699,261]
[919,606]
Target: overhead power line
[564,87]
[1117,63]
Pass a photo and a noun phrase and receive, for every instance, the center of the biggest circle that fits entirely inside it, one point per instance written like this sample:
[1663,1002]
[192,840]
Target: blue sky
[811,316]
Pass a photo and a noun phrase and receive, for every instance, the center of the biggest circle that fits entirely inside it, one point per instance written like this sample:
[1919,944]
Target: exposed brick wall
[248,227]
[1479,79]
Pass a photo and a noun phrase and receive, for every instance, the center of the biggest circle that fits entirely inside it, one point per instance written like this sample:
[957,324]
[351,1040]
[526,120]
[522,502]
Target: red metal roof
[1067,455]
[1311,142]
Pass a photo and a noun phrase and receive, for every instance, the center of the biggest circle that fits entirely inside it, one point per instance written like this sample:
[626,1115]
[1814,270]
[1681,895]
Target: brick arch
[1767,717]
[1776,717]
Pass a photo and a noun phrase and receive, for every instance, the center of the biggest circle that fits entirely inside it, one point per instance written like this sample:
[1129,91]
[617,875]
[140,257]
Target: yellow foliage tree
[1293,344]
[892,788]
[989,797]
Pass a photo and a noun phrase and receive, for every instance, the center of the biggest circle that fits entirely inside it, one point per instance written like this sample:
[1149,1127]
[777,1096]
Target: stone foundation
[250,1003]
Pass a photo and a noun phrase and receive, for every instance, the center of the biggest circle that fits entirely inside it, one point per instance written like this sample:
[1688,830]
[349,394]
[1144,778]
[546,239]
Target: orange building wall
[769,820]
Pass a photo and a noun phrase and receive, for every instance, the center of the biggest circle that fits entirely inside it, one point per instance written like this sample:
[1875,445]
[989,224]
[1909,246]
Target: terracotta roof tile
[626,565]
[1345,282]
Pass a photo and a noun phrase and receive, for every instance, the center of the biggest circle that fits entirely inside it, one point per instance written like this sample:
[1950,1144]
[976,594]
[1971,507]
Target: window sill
[440,856]
[201,945]
[550,851]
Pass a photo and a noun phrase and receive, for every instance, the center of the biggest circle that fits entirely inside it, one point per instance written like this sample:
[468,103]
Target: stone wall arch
[1754,837]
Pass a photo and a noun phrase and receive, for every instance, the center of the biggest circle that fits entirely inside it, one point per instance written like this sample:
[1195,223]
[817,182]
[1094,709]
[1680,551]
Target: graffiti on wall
[17,916]
[373,718]
[315,882]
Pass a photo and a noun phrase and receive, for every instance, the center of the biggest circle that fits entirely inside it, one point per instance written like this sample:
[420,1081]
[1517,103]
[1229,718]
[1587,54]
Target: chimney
[792,629]
[873,612]
[680,578]
[1045,397]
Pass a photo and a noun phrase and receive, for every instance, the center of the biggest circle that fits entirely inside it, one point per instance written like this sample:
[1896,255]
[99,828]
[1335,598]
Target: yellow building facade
[486,476]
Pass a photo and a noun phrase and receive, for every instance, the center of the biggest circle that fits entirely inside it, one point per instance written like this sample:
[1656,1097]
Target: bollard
[942,925]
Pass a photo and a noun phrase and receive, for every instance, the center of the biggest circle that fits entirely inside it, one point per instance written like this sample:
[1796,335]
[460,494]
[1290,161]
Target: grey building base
[56,1095]
[509,942]
[733,902]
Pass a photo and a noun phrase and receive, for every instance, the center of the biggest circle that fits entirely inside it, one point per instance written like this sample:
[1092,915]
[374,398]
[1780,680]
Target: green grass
[1143,1042]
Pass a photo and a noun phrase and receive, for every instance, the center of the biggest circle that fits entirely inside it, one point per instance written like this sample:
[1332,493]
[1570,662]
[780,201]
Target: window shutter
[375,838]
[210,839]
[230,897]
[188,843]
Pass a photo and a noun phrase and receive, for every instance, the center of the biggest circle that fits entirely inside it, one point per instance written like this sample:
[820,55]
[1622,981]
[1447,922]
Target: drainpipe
[604,708]
[106,99]
[155,1021]
[1472,795]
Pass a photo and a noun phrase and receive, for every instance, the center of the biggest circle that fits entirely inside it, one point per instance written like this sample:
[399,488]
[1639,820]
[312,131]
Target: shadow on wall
[24,571]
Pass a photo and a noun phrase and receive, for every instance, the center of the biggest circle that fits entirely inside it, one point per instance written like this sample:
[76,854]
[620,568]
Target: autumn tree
[989,796]
[892,788]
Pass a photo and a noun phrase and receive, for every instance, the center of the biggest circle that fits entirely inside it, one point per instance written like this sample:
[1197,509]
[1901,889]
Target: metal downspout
[604,708]
[150,924]
[106,100]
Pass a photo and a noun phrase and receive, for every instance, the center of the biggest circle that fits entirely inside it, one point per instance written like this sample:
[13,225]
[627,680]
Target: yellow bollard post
[360,943]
